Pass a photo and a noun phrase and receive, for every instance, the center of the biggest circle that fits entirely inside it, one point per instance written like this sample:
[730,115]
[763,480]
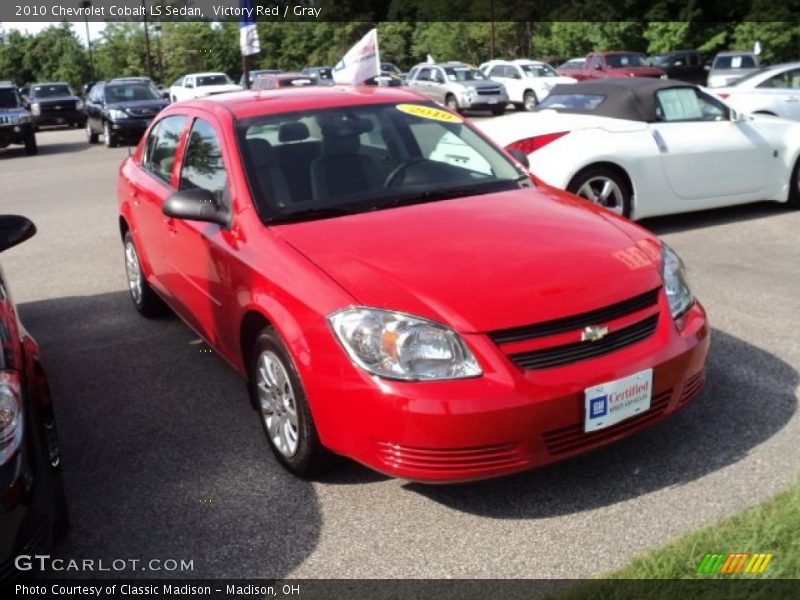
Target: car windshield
[572,101]
[539,71]
[390,67]
[660,60]
[219,79]
[9,98]
[331,162]
[463,74]
[621,61]
[737,61]
[126,92]
[51,91]
[323,73]
[573,64]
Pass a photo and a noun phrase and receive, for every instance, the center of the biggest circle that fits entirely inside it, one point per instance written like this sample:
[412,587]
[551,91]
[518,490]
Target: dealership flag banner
[248,34]
[361,62]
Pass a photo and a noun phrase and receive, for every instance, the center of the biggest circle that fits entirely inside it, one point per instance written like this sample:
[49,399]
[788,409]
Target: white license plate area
[609,403]
[492,100]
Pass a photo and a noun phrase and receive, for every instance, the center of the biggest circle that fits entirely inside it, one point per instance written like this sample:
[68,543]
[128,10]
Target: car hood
[55,100]
[480,85]
[635,72]
[485,262]
[139,106]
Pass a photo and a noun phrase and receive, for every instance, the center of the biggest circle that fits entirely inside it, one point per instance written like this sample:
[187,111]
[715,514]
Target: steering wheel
[401,169]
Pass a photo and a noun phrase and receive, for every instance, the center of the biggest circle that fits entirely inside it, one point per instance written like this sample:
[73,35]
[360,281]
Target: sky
[95,27]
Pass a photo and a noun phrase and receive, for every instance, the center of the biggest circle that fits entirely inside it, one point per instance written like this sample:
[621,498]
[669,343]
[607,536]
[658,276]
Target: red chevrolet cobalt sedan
[395,289]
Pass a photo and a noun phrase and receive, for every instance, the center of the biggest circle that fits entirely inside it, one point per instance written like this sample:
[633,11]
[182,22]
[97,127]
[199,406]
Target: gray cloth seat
[268,173]
[341,169]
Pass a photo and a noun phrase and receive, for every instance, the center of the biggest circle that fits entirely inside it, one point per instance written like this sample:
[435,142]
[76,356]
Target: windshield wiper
[433,195]
[311,214]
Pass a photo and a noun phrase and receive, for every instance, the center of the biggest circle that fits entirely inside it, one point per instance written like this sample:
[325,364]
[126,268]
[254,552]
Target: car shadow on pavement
[163,456]
[749,396]
[710,218]
[45,149]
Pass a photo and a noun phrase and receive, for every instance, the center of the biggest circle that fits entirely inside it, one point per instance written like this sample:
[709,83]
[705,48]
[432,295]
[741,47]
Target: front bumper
[131,129]
[481,102]
[64,117]
[509,419]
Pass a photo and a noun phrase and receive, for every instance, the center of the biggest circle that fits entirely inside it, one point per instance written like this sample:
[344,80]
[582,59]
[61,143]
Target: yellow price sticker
[427,112]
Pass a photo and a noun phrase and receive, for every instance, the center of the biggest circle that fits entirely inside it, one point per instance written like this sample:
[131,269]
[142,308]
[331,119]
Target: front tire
[499,111]
[604,187]
[145,300]
[91,136]
[452,103]
[31,147]
[109,138]
[529,100]
[794,187]
[277,394]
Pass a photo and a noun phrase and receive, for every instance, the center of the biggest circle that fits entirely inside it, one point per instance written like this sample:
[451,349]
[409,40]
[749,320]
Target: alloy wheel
[529,101]
[134,272]
[605,192]
[277,404]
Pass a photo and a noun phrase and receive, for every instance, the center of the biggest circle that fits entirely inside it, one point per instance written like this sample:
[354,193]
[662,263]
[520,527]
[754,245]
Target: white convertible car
[197,85]
[646,147]
[772,91]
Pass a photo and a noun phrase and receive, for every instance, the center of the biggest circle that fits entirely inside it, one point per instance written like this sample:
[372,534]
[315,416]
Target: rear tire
[91,136]
[144,299]
[277,393]
[31,147]
[604,187]
[794,187]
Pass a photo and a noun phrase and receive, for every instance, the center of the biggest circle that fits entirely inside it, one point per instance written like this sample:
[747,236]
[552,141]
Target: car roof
[207,73]
[736,53]
[50,83]
[245,104]
[631,98]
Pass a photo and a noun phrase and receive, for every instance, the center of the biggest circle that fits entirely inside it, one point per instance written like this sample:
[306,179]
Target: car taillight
[723,96]
[11,422]
[532,144]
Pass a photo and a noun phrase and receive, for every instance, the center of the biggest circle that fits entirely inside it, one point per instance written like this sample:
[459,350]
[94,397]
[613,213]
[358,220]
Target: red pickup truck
[599,65]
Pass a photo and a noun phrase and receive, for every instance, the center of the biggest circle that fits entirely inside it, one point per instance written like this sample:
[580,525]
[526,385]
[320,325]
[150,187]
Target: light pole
[157,28]
[147,43]
[85,5]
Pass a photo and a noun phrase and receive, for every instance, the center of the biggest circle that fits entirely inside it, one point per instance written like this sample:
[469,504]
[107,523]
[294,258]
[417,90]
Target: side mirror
[14,230]
[521,157]
[195,205]
[165,94]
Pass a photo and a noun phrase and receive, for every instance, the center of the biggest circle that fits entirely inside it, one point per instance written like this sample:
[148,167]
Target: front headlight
[10,415]
[673,273]
[399,346]
[24,118]
[36,109]
[115,114]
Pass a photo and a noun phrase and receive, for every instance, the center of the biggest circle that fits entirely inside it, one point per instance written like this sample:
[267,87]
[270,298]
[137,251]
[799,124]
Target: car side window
[159,155]
[497,71]
[597,61]
[203,167]
[688,104]
[424,74]
[788,80]
[96,95]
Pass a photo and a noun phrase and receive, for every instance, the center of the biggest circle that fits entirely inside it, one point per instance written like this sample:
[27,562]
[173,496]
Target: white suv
[527,81]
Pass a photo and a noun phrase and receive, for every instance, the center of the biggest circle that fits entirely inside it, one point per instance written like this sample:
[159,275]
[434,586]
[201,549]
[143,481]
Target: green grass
[771,527]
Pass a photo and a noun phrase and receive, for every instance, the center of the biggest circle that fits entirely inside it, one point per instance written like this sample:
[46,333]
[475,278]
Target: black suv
[55,104]
[684,65]
[121,109]
[15,119]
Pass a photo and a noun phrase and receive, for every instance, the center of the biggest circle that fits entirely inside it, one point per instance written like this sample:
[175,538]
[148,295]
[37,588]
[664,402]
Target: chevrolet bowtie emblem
[593,333]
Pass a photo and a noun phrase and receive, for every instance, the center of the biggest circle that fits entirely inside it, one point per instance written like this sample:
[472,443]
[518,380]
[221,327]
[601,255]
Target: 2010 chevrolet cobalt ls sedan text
[395,289]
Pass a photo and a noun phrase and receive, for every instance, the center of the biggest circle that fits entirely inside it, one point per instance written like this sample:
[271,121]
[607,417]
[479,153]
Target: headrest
[261,152]
[345,127]
[293,131]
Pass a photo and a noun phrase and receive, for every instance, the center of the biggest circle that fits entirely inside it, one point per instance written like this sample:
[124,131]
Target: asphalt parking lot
[164,458]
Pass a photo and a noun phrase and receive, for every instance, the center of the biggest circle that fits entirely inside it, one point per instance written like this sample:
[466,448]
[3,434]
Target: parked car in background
[526,81]
[307,236]
[56,104]
[121,110]
[163,91]
[459,86]
[729,67]
[601,65]
[572,63]
[252,74]
[684,65]
[33,505]
[645,147]
[16,124]
[772,91]
[386,78]
[197,85]
[282,80]
[392,69]
[324,75]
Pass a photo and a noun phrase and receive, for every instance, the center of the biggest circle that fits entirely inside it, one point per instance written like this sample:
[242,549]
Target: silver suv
[459,86]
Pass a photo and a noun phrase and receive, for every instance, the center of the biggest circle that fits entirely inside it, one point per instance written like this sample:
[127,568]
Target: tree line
[58,53]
